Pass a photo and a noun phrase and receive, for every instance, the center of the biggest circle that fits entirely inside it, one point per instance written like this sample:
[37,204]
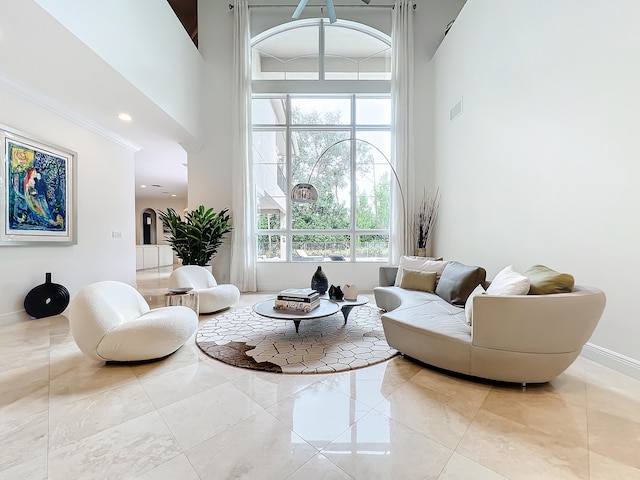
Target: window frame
[351,129]
[352,89]
[321,23]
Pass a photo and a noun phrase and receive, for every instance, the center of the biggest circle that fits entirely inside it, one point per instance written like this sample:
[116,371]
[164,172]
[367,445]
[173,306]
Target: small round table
[325,309]
[187,299]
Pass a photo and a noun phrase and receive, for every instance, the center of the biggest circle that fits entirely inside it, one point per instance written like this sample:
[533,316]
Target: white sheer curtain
[402,132]
[243,245]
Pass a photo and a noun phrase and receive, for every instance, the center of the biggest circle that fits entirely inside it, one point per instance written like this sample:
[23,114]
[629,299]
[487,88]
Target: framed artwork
[38,191]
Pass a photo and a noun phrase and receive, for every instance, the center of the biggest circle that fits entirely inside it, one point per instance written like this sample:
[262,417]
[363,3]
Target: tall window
[301,138]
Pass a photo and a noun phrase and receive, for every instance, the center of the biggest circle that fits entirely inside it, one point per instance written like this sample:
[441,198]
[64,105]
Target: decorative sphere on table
[319,281]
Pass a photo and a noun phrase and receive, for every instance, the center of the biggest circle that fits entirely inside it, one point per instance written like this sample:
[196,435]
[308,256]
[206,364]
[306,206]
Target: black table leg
[346,310]
[297,324]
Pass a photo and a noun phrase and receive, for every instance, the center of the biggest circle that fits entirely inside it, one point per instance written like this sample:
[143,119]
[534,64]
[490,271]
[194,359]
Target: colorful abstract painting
[37,194]
[37,197]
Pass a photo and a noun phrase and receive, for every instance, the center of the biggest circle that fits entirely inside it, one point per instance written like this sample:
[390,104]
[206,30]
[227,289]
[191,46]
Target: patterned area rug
[243,338]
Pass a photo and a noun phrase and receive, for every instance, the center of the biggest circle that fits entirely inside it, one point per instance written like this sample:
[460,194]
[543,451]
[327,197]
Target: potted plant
[196,238]
[426,217]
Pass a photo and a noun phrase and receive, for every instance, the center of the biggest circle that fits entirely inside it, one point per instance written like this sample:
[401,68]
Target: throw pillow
[509,282]
[468,306]
[417,280]
[544,281]
[423,264]
[458,281]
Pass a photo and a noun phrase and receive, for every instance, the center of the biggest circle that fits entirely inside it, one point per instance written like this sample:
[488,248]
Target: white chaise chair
[111,321]
[212,297]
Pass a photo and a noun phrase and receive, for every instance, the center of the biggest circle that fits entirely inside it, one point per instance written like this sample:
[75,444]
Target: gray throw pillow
[458,281]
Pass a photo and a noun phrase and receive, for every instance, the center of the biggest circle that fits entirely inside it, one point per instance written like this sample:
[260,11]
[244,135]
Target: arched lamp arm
[393,170]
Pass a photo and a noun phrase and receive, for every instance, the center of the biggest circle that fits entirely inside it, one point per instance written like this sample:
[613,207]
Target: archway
[149,229]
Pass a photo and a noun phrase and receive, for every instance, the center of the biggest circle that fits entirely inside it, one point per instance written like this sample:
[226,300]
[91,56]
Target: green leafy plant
[196,238]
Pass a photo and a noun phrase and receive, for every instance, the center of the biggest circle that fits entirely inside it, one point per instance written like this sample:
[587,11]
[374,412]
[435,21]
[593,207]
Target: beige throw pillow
[545,281]
[423,264]
[417,280]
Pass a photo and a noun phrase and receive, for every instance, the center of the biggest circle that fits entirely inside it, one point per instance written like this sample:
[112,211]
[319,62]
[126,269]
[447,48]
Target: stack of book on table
[299,300]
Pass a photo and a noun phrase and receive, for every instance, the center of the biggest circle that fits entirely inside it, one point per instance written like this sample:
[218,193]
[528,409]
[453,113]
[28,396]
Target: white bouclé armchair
[111,321]
[212,297]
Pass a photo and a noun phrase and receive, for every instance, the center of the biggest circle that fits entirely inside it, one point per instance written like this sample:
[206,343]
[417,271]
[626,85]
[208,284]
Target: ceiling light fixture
[331,9]
[143,186]
[125,117]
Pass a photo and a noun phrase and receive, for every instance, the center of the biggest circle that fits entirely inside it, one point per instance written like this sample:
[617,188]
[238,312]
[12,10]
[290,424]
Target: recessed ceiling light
[125,117]
[143,186]
[173,195]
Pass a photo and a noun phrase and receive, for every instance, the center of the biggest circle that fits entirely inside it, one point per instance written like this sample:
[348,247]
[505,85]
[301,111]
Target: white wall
[145,42]
[210,169]
[542,165]
[105,204]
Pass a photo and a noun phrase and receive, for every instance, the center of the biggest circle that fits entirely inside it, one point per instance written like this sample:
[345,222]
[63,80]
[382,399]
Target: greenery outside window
[350,222]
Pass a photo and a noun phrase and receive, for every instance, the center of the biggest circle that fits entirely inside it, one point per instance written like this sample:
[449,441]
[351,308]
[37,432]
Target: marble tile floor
[64,416]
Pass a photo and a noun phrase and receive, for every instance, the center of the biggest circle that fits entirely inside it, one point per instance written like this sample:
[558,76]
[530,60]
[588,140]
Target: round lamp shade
[304,193]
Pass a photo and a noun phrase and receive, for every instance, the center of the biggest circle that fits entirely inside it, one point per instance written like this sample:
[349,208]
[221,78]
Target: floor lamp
[308,193]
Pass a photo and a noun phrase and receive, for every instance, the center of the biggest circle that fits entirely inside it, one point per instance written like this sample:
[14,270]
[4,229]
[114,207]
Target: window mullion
[321,64]
[288,225]
[353,179]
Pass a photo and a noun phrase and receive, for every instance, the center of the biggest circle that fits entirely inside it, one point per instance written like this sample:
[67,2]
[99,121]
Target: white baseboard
[12,318]
[615,361]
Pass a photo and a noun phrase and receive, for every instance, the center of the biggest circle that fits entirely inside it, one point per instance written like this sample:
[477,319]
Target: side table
[187,299]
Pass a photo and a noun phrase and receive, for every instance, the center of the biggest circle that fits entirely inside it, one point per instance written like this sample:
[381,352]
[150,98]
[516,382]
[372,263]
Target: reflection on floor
[64,416]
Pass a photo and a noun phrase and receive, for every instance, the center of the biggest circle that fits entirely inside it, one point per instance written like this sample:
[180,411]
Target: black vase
[319,281]
[47,299]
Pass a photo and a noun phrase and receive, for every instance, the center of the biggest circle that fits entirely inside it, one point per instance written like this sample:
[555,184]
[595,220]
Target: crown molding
[64,111]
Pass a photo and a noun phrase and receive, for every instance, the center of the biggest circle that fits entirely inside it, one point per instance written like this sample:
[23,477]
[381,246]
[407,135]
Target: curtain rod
[322,6]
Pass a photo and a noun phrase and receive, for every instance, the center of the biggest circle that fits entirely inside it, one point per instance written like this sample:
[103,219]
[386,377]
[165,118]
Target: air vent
[455,111]
[156,185]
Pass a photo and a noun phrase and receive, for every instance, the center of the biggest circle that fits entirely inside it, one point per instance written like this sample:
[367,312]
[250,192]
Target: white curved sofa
[514,338]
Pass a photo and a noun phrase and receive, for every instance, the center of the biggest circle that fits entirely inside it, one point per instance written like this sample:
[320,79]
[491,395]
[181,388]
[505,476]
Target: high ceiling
[75,87]
[187,12]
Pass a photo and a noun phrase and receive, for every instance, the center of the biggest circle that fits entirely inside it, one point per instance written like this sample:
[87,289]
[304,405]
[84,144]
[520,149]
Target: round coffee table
[325,309]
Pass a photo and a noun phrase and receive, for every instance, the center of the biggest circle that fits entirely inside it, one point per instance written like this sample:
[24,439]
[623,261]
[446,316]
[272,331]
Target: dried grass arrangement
[426,217]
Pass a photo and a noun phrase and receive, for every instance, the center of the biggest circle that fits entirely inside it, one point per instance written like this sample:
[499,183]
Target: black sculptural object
[319,281]
[335,293]
[47,299]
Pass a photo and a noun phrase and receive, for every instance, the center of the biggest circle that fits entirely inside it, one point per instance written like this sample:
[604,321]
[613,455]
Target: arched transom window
[317,50]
